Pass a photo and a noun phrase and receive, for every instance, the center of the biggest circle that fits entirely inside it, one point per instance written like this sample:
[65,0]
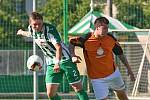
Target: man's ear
[29,21]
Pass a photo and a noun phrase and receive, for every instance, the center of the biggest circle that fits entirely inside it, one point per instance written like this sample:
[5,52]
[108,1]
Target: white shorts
[101,86]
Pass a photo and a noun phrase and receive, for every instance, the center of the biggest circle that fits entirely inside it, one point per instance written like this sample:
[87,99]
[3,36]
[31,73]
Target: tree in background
[10,20]
[53,12]
[14,16]
[134,12]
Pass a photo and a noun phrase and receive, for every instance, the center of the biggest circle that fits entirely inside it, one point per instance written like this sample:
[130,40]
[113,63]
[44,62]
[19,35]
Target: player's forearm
[129,71]
[24,33]
[58,53]
[124,61]
[72,50]
[74,41]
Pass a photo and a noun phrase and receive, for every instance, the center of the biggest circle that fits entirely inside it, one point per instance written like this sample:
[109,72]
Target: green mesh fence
[15,78]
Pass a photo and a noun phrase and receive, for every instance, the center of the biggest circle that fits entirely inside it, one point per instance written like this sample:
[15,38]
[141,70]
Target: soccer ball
[34,63]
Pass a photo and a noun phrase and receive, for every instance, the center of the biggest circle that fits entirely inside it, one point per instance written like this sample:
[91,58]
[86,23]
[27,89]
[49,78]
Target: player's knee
[50,94]
[103,99]
[51,90]
[54,97]
[77,87]
[122,95]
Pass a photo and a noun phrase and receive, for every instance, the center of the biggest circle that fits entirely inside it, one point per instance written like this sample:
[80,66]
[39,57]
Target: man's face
[36,24]
[101,29]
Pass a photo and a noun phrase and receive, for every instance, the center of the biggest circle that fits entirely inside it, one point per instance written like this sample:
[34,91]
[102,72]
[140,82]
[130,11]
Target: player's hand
[76,59]
[70,38]
[131,75]
[56,68]
[19,32]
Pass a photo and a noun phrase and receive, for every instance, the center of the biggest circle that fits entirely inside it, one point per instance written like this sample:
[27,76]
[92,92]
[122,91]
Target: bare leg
[121,95]
[52,90]
[104,99]
[82,95]
[77,86]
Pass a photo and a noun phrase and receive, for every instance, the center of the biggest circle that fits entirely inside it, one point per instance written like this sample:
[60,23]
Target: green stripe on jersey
[46,41]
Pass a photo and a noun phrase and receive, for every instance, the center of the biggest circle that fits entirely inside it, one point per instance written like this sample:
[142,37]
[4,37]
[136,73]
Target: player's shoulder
[87,35]
[49,25]
[50,28]
[112,36]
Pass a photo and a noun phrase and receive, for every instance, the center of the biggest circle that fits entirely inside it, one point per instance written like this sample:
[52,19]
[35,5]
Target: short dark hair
[36,16]
[101,19]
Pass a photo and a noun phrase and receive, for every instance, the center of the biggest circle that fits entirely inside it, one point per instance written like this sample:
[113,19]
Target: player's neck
[98,36]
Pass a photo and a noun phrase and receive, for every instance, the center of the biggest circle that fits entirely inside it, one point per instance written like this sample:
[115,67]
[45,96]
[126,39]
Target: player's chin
[37,30]
[102,35]
[76,61]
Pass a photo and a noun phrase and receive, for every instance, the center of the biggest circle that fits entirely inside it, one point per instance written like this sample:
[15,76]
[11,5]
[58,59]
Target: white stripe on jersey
[47,48]
[50,36]
[52,39]
[65,50]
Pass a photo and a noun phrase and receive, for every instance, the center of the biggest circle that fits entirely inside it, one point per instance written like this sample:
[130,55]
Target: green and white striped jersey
[46,41]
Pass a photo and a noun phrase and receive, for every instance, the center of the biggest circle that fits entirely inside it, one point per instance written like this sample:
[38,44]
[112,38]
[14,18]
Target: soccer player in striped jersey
[98,49]
[58,58]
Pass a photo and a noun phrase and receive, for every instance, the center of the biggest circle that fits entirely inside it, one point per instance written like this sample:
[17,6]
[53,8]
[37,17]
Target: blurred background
[16,81]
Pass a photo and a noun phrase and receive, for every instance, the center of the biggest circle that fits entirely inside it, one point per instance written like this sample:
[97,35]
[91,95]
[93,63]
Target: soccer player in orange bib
[98,48]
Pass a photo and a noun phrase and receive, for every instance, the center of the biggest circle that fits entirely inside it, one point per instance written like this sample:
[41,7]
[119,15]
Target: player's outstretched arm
[23,33]
[125,62]
[58,57]
[119,52]
[75,58]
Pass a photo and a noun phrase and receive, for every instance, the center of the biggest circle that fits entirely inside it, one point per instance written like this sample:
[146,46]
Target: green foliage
[53,13]
[13,16]
[134,12]
[146,11]
[131,14]
[10,21]
[81,9]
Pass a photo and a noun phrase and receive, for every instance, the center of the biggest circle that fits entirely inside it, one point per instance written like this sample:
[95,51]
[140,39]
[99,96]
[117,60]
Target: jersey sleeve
[53,35]
[79,41]
[117,50]
[30,30]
